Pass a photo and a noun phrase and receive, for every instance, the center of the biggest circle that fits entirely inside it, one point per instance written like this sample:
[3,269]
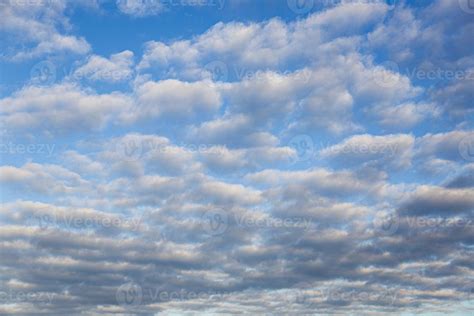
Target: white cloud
[74,108]
[38,26]
[388,151]
[176,98]
[140,8]
[115,69]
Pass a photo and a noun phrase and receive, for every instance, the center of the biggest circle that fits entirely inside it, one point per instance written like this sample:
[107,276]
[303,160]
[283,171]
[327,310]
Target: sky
[220,157]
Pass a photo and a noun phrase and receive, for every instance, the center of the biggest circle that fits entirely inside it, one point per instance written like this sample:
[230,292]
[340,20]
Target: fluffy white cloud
[388,151]
[74,108]
[36,24]
[176,98]
[140,8]
[115,69]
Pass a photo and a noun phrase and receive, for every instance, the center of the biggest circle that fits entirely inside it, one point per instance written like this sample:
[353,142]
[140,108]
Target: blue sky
[235,156]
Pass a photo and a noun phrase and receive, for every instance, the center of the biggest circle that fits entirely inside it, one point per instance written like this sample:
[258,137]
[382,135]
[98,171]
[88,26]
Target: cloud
[117,68]
[139,8]
[177,98]
[388,151]
[74,109]
[178,186]
[38,26]
[436,200]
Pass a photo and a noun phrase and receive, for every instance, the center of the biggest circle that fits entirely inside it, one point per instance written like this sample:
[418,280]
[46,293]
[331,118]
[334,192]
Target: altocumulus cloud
[229,157]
